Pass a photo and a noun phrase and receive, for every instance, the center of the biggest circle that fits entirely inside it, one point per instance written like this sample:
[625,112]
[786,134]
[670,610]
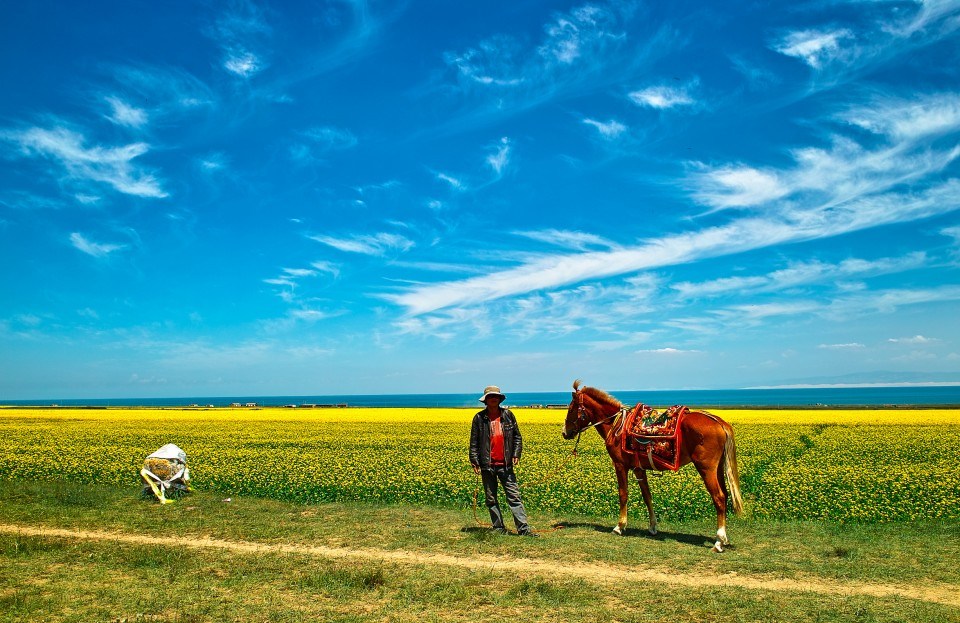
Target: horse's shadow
[697,540]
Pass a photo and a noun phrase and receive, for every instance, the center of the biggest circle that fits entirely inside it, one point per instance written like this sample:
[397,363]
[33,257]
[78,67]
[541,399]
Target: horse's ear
[576,385]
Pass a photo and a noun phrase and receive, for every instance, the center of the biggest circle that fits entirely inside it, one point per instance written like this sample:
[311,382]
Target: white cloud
[376,244]
[310,315]
[297,273]
[814,47]
[825,178]
[80,242]
[574,45]
[239,32]
[908,119]
[662,97]
[611,129]
[666,351]
[913,341]
[718,286]
[331,138]
[125,114]
[569,239]
[454,182]
[86,199]
[501,156]
[888,301]
[930,13]
[169,91]
[109,165]
[739,186]
[326,267]
[848,346]
[794,225]
[802,273]
[242,63]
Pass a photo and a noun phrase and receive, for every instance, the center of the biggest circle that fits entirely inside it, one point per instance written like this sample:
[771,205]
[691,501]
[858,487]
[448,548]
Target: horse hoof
[652,531]
[618,531]
[717,548]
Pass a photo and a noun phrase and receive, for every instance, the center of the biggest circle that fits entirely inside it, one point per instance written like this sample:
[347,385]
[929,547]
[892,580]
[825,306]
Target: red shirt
[496,442]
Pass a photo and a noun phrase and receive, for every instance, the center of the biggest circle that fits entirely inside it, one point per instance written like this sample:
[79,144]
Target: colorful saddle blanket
[653,437]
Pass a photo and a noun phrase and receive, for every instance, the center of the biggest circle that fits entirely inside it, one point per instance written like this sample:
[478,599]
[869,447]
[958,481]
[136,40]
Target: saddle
[653,437]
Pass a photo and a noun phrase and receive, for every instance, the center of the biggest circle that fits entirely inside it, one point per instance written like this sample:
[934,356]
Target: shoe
[529,533]
[498,530]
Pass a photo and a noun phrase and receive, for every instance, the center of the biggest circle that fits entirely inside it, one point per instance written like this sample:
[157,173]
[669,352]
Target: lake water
[705,398]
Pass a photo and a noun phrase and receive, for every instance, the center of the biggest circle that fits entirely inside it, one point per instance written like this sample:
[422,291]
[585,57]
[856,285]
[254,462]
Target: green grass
[64,579]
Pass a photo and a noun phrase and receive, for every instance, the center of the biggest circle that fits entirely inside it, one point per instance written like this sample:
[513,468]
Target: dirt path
[593,572]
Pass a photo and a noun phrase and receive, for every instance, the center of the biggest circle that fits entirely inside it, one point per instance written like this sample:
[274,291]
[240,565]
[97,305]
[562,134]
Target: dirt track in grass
[592,572]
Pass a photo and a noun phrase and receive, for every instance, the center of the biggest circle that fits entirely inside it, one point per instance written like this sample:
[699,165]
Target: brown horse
[706,441]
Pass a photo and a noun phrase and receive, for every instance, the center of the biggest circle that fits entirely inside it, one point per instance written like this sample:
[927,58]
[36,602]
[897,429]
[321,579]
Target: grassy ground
[57,578]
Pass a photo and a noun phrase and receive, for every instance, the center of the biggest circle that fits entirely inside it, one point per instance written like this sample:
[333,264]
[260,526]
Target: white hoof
[718,547]
[618,531]
[652,530]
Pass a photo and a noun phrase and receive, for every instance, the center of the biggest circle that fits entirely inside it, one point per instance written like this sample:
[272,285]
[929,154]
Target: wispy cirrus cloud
[846,170]
[170,91]
[505,75]
[241,33]
[609,129]
[95,249]
[667,350]
[663,97]
[879,32]
[331,137]
[915,340]
[802,273]
[321,141]
[580,37]
[740,235]
[454,182]
[289,278]
[569,239]
[367,244]
[847,346]
[827,193]
[242,62]
[906,119]
[740,185]
[114,166]
[500,157]
[126,115]
[816,48]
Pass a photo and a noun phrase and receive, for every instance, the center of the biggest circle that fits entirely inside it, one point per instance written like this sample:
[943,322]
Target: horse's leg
[709,475]
[641,475]
[622,483]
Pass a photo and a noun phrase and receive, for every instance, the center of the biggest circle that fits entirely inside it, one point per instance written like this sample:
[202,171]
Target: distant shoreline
[873,397]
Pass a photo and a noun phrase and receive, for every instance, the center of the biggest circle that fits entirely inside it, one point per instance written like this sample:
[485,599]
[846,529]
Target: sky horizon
[353,197]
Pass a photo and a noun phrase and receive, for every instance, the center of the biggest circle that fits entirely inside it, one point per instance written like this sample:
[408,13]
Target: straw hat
[491,390]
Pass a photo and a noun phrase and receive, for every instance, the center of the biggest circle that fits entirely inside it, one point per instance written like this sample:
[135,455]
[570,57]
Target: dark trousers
[511,490]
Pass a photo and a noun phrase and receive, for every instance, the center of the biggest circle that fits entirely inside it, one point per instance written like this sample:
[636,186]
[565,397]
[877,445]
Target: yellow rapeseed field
[864,466]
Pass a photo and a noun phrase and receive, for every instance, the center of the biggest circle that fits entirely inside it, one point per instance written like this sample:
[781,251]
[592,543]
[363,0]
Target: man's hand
[476,469]
[516,460]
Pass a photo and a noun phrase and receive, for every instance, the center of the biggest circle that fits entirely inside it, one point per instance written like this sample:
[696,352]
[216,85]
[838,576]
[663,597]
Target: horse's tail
[731,472]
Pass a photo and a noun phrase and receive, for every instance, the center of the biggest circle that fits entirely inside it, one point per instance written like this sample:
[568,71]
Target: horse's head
[589,406]
[577,420]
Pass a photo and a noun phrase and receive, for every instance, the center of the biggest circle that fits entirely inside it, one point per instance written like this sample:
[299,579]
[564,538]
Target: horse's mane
[602,397]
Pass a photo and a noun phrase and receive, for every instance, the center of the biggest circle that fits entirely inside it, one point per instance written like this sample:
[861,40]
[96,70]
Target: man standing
[495,447]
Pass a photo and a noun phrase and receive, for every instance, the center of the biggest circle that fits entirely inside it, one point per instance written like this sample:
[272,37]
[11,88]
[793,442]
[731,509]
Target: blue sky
[247,198]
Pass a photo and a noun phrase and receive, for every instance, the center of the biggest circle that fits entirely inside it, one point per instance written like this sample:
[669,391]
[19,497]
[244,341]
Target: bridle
[583,416]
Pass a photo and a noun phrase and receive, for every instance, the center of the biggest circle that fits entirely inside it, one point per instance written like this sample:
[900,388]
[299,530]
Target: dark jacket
[480,438]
